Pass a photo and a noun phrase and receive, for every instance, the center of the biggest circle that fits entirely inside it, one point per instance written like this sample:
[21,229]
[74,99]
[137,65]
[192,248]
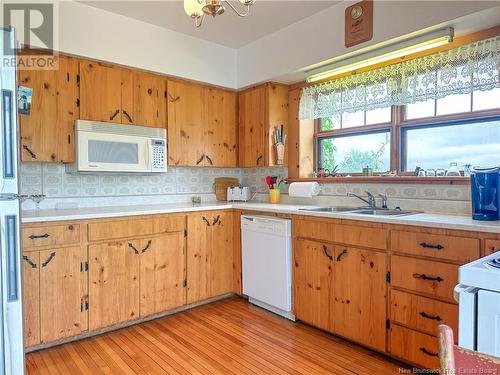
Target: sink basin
[327,209]
[382,212]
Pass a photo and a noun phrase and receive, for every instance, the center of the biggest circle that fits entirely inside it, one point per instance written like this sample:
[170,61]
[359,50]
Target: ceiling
[228,29]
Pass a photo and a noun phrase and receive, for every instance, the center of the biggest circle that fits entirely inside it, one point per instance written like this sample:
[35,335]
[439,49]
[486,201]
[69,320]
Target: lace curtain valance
[460,70]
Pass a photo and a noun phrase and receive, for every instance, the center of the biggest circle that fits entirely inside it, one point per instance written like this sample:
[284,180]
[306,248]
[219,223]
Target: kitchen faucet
[371,198]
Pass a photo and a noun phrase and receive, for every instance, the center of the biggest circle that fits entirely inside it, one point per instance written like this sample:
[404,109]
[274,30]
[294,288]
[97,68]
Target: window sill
[388,180]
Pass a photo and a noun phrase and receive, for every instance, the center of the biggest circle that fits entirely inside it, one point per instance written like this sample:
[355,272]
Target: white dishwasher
[266,244]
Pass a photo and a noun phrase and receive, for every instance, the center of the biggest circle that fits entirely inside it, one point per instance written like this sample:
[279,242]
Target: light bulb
[194,8]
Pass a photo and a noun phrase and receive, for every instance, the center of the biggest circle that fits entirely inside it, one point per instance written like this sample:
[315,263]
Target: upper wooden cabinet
[47,131]
[113,94]
[262,110]
[202,126]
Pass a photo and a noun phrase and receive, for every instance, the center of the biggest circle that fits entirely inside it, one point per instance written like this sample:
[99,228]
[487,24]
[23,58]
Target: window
[475,143]
[351,153]
[459,128]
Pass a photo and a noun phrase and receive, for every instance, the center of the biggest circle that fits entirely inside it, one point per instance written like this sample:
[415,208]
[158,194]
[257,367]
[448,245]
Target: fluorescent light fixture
[346,63]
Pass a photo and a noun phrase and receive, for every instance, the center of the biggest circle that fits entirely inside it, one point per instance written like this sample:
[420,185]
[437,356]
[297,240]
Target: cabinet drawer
[51,235]
[342,233]
[415,347]
[491,246]
[121,228]
[425,276]
[460,249]
[421,313]
[169,223]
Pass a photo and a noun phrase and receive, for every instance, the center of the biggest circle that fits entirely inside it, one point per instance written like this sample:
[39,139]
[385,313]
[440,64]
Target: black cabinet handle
[35,236]
[430,317]
[426,245]
[28,150]
[172,99]
[425,351]
[201,159]
[325,251]
[29,261]
[217,220]
[206,220]
[147,246]
[49,259]
[423,276]
[114,114]
[128,116]
[259,160]
[209,160]
[339,257]
[133,248]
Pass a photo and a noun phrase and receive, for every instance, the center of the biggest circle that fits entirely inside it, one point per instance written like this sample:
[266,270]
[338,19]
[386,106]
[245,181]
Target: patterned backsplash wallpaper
[181,183]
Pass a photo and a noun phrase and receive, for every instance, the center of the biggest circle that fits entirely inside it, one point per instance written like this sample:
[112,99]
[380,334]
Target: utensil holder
[274,195]
[280,153]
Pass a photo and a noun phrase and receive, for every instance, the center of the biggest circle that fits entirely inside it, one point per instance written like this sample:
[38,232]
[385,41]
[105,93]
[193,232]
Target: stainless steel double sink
[361,211]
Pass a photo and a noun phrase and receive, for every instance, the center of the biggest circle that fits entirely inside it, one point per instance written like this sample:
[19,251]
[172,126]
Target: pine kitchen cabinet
[262,110]
[119,95]
[202,125]
[47,131]
[209,254]
[54,287]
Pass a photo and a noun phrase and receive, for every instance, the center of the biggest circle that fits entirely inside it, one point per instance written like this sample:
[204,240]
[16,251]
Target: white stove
[478,294]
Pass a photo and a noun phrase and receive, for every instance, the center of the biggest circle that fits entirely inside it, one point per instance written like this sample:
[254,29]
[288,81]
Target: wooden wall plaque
[358,23]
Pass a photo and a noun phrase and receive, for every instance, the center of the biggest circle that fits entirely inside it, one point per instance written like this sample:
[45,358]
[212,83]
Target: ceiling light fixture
[346,63]
[198,9]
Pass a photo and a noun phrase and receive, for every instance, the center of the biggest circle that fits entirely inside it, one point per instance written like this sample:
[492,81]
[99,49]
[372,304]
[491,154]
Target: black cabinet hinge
[67,76]
[388,277]
[185,284]
[84,266]
[185,232]
[78,78]
[78,102]
[387,323]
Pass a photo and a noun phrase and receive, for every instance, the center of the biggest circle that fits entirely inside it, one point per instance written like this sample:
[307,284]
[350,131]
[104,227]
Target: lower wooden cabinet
[360,295]
[313,283]
[209,255]
[55,288]
[415,347]
[114,282]
[162,273]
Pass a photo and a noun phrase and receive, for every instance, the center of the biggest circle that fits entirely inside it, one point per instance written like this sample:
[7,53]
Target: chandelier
[198,9]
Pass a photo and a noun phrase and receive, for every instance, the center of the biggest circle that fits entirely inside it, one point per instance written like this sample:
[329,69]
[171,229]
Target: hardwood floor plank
[224,337]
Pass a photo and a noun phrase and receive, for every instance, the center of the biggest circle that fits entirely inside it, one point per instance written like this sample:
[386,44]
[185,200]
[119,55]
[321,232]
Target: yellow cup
[274,195]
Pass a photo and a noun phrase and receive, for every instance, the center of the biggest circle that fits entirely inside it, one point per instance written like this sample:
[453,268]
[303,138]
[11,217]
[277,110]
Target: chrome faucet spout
[370,201]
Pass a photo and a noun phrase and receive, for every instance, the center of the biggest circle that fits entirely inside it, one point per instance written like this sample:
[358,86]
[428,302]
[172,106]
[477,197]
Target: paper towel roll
[304,189]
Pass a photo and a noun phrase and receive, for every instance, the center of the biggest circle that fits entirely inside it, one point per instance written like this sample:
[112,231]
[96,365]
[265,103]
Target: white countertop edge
[423,220]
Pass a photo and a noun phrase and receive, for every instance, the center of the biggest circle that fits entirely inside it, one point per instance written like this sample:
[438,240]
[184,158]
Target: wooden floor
[225,337]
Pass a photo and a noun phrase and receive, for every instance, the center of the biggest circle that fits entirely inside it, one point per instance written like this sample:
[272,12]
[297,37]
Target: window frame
[396,127]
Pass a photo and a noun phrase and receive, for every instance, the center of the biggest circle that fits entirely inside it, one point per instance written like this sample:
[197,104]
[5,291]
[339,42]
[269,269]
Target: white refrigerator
[11,314]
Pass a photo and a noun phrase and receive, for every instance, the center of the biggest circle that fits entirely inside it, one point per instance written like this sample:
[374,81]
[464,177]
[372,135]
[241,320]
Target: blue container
[485,183]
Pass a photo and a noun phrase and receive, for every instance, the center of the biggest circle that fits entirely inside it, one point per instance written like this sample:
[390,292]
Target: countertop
[422,219]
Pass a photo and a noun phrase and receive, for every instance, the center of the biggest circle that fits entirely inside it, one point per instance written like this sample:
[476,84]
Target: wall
[282,55]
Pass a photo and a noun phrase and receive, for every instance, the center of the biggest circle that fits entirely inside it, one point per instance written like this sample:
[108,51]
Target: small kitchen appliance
[484,191]
[478,295]
[239,193]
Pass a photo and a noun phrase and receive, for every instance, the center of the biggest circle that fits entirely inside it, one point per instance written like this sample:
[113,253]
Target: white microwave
[107,147]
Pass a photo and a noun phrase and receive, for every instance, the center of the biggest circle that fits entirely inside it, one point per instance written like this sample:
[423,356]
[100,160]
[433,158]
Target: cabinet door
[220,257]
[47,132]
[149,106]
[198,249]
[63,290]
[253,120]
[100,92]
[187,116]
[360,296]
[113,283]
[221,130]
[162,273]
[312,283]
[31,297]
